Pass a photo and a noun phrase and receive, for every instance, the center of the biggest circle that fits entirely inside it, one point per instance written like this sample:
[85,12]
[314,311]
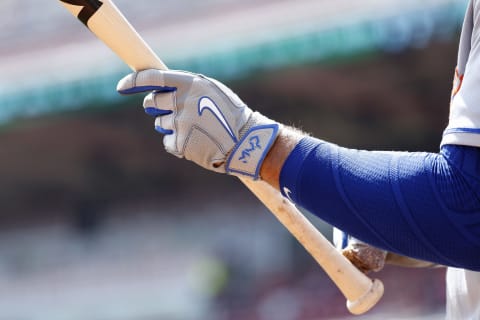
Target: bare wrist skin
[278,154]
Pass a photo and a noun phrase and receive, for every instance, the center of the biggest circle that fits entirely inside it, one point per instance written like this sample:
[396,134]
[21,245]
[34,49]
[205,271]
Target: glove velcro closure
[248,154]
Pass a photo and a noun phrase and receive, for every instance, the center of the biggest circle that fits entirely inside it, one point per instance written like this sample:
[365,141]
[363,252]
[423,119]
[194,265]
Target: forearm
[408,203]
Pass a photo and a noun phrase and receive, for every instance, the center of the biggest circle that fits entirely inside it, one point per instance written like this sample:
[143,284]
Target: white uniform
[463,294]
[464,124]
[463,287]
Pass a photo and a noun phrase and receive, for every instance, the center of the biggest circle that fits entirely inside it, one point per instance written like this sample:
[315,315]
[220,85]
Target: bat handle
[361,292]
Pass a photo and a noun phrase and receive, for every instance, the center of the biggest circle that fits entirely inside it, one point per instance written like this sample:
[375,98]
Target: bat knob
[368,299]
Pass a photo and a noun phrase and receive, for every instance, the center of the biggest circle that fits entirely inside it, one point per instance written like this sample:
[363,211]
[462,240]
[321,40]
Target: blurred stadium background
[97,222]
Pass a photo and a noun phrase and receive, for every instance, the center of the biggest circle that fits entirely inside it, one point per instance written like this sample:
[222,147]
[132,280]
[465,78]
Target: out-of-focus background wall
[98,222]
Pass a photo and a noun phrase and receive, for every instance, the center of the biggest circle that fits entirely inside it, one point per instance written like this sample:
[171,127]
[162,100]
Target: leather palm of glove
[204,121]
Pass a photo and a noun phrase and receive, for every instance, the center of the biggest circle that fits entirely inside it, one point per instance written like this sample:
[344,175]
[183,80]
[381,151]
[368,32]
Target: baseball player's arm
[364,256]
[421,205]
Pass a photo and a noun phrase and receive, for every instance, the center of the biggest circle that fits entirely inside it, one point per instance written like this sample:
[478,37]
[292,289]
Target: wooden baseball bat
[105,20]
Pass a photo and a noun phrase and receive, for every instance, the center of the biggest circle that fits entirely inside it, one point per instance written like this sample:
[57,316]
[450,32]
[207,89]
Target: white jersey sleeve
[463,294]
[464,121]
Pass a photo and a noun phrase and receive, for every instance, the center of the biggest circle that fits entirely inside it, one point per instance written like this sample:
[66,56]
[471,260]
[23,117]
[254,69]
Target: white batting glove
[204,121]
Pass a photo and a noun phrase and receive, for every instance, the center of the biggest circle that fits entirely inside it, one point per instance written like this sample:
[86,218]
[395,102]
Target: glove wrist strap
[248,154]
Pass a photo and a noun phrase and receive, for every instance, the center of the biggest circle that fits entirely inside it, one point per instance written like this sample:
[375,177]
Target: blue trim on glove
[163,131]
[154,112]
[142,89]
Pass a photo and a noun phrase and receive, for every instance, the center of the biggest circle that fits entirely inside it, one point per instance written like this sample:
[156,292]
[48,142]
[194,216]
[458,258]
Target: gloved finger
[153,80]
[165,124]
[169,142]
[138,82]
[159,104]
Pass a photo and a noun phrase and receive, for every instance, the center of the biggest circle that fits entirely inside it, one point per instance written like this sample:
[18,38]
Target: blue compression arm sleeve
[421,205]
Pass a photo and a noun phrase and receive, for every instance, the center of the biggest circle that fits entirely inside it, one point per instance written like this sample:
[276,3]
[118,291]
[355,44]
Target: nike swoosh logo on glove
[205,103]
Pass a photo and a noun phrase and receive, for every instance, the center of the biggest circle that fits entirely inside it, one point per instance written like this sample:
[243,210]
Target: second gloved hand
[204,121]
